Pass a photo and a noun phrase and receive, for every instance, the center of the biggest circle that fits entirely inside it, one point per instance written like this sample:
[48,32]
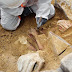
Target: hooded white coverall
[11,9]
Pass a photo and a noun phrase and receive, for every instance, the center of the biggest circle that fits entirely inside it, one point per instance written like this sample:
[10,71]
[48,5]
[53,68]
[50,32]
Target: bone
[35,34]
[31,47]
[39,44]
[33,40]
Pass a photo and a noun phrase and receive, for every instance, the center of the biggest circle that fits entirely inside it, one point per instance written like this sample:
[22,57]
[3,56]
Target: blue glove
[40,21]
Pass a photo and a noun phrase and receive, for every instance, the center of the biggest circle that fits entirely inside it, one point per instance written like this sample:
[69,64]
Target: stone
[65,24]
[1,71]
[66,63]
[49,71]
[66,6]
[22,40]
[66,52]
[58,44]
[59,70]
[42,38]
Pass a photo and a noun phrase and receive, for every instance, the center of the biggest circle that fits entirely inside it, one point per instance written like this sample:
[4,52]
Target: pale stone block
[66,63]
[58,44]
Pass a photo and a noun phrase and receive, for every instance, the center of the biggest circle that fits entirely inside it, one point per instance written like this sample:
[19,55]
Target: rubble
[58,70]
[66,63]
[64,25]
[58,44]
[50,71]
[22,40]
[66,52]
[66,6]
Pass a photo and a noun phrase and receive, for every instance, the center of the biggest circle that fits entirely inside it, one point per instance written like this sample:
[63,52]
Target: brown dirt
[11,51]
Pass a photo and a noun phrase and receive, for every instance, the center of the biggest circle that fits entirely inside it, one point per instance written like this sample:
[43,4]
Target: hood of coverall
[16,3]
[31,2]
[12,3]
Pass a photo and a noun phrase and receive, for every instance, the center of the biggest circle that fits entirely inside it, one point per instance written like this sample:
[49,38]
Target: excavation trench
[11,48]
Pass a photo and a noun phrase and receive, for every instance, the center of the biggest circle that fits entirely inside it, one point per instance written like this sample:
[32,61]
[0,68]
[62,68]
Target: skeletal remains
[33,62]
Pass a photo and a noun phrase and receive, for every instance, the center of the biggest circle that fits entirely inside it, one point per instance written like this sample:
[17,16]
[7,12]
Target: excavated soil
[11,50]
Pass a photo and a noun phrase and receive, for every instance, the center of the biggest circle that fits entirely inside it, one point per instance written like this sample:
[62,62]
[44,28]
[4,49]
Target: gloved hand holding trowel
[11,10]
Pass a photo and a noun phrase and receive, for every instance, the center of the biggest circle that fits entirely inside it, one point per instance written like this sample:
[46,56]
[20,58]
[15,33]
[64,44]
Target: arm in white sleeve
[15,12]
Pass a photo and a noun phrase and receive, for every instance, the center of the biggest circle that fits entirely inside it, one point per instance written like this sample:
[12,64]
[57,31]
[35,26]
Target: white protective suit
[10,10]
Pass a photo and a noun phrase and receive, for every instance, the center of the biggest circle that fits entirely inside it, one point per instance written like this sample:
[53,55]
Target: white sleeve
[8,21]
[43,8]
[2,5]
[0,13]
[15,11]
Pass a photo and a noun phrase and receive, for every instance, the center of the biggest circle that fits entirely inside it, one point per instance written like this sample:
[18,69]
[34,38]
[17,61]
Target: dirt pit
[11,50]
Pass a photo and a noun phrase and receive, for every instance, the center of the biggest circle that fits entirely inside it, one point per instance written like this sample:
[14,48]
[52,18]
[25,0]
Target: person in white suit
[11,10]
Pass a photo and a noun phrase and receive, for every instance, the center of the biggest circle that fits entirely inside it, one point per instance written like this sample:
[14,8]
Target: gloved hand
[30,62]
[40,21]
